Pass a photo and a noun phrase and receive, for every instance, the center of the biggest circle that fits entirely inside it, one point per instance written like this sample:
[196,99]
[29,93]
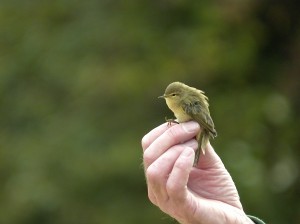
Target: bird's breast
[179,113]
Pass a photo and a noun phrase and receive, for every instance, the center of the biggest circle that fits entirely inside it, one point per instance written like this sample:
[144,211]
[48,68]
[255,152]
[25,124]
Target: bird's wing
[200,113]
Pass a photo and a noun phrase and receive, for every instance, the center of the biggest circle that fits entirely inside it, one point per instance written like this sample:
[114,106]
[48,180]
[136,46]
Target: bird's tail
[203,139]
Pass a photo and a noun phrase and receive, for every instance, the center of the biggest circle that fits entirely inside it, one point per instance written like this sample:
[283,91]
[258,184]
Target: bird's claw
[170,121]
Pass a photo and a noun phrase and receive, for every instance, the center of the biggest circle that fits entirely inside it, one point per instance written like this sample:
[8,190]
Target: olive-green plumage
[188,103]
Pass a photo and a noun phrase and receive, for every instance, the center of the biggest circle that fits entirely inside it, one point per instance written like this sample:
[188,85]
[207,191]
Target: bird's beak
[162,97]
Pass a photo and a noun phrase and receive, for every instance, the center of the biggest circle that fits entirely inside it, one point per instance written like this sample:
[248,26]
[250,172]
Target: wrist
[249,220]
[237,219]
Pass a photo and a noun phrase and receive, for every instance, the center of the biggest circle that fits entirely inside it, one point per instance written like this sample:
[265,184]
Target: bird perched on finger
[189,103]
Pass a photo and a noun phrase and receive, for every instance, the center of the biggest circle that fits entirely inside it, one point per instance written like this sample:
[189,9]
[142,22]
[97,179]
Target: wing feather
[200,113]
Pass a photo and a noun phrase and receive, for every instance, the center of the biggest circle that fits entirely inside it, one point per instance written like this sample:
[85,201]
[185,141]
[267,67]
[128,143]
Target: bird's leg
[170,121]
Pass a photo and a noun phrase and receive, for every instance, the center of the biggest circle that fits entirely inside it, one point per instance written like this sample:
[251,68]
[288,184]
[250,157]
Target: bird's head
[174,93]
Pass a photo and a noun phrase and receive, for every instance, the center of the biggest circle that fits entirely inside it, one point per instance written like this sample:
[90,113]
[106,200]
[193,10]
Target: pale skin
[205,194]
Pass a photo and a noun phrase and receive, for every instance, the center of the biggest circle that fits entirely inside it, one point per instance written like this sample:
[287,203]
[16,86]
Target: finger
[154,134]
[177,182]
[176,134]
[158,172]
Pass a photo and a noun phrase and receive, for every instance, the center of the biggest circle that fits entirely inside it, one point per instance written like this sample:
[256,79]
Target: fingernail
[187,152]
[190,126]
[192,143]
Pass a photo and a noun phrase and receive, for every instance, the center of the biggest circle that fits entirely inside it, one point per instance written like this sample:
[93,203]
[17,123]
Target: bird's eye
[173,94]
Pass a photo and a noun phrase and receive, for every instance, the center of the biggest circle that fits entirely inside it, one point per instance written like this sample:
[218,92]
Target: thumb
[210,159]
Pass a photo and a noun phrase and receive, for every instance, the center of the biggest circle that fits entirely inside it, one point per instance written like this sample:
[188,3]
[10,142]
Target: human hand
[192,195]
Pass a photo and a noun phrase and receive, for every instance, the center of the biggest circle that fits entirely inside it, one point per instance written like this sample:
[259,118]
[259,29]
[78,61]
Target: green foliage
[79,86]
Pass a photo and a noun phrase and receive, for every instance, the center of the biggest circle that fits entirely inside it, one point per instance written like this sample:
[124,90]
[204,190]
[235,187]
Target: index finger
[154,134]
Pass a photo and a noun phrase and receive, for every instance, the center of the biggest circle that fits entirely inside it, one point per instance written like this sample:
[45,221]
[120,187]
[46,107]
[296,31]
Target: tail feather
[203,139]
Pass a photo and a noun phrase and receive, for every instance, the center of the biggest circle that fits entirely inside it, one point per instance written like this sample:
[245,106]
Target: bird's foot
[170,121]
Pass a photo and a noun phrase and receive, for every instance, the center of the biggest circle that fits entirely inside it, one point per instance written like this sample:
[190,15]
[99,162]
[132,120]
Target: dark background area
[79,82]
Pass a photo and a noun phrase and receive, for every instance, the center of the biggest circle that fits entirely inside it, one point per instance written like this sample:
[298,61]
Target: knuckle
[180,164]
[147,157]
[152,174]
[152,197]
[145,142]
[174,192]
[172,189]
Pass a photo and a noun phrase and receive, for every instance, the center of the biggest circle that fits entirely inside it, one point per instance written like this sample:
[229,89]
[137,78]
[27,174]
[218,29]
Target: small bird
[189,103]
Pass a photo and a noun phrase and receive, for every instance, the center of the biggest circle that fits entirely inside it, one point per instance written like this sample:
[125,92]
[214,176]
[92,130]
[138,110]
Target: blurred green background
[79,86]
